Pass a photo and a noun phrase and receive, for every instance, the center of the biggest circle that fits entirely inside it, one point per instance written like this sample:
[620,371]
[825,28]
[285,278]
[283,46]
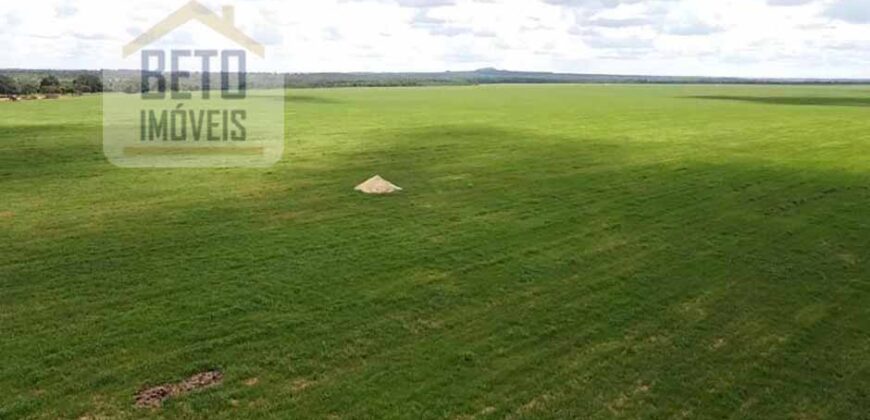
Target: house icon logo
[192,106]
[195,11]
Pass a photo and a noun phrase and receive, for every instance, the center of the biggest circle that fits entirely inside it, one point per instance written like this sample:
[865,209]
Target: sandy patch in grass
[486,411]
[300,385]
[154,397]
[848,258]
[377,185]
[536,404]
[626,400]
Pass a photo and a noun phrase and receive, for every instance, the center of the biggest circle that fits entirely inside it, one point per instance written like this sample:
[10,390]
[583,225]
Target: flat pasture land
[558,251]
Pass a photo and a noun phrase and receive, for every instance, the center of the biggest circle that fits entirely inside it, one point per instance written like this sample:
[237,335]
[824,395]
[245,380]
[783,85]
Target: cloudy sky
[755,38]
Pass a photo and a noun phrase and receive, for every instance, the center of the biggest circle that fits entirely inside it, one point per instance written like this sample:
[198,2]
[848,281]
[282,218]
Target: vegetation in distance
[29,82]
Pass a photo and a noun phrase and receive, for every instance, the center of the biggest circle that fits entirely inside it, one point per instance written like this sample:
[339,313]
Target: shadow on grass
[309,99]
[791,100]
[31,151]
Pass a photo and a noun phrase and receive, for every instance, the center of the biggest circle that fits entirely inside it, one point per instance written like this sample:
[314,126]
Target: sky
[742,38]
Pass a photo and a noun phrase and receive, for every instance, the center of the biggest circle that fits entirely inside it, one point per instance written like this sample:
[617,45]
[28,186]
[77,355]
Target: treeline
[129,81]
[495,76]
[55,82]
[27,82]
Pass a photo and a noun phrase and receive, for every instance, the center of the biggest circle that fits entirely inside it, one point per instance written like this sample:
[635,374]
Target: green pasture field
[559,251]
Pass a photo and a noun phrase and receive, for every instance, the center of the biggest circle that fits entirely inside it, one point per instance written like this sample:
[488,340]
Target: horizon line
[482,70]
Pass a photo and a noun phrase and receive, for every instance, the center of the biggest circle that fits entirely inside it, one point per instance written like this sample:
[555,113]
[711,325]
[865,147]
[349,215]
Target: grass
[558,251]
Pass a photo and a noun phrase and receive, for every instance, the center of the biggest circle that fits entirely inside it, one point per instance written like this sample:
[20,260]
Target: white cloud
[788,2]
[771,38]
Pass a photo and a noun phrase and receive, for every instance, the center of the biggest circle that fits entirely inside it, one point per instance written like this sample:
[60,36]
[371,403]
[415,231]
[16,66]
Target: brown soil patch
[154,397]
[252,381]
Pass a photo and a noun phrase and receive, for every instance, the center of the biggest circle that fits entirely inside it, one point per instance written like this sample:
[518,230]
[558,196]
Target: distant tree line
[31,83]
[57,82]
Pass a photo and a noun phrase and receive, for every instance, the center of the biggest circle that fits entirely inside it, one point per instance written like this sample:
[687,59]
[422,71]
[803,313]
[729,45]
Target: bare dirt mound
[154,397]
[378,185]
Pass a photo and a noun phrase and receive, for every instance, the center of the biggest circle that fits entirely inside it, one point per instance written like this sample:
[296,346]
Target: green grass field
[558,252]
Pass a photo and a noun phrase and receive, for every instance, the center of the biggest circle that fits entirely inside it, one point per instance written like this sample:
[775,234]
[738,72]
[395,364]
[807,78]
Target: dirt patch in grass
[536,404]
[377,185]
[7,215]
[626,400]
[153,397]
[300,385]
